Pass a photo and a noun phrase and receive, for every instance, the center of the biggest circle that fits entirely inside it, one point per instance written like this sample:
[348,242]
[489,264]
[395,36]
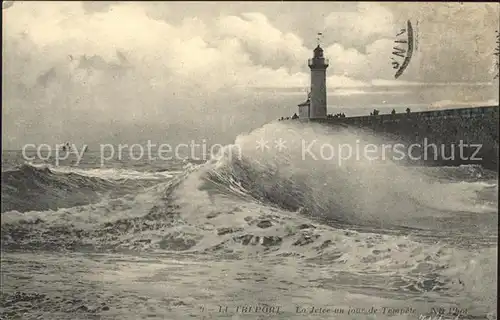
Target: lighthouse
[318,65]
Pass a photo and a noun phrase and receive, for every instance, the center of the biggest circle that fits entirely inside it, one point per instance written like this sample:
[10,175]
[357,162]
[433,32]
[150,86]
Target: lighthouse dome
[318,52]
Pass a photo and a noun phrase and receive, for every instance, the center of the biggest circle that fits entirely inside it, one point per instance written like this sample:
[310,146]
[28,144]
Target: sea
[253,232]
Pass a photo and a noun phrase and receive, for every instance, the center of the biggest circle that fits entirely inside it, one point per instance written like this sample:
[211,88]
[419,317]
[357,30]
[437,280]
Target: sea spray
[360,190]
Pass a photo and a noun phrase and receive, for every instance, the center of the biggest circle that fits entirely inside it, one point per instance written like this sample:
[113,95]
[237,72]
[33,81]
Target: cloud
[350,92]
[264,43]
[366,24]
[128,70]
[350,62]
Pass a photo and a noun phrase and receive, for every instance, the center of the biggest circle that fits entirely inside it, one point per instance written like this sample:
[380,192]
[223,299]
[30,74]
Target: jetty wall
[445,128]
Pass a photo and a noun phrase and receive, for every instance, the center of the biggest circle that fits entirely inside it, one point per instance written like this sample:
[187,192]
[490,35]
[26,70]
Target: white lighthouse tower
[318,65]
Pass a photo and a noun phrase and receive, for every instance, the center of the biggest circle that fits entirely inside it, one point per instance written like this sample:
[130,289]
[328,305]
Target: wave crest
[358,190]
[29,188]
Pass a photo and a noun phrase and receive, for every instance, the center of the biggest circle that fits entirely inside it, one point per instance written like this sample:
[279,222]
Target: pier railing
[476,112]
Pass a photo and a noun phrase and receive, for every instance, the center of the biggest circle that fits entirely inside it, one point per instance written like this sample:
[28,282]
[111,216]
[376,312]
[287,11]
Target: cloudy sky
[106,72]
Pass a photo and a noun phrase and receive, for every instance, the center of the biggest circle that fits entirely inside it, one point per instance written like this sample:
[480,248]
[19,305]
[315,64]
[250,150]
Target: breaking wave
[44,187]
[372,219]
[358,191]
